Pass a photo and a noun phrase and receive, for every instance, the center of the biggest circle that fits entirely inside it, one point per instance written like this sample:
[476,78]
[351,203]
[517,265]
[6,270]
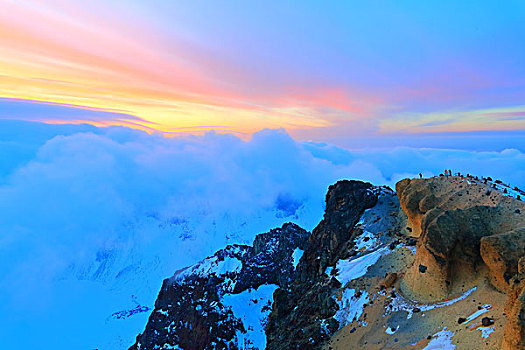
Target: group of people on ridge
[448,172]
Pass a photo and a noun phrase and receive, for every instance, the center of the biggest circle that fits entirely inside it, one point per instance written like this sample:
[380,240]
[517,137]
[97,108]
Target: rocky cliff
[305,315]
[438,264]
[469,232]
[223,301]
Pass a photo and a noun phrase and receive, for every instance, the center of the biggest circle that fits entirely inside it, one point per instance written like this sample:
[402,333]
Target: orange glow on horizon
[93,65]
[93,56]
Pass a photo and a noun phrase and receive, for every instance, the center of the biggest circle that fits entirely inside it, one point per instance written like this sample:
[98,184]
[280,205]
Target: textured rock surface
[466,228]
[190,311]
[452,215]
[514,336]
[502,253]
[296,318]
[345,202]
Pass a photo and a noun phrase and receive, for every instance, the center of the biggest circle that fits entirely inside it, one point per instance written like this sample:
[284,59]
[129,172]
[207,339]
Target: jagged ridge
[197,308]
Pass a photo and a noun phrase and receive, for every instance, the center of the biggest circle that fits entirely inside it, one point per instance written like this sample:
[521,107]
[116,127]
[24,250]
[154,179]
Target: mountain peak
[438,263]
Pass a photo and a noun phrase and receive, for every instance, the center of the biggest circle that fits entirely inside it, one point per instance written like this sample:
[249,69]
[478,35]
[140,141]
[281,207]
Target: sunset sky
[324,71]
[138,137]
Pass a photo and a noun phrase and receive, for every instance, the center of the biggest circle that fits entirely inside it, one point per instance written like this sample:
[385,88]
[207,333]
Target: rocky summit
[437,264]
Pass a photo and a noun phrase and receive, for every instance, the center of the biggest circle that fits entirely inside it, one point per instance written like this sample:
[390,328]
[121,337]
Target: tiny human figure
[420,175]
[449,172]
[446,172]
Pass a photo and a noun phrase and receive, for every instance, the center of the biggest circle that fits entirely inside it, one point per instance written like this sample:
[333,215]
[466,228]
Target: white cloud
[89,218]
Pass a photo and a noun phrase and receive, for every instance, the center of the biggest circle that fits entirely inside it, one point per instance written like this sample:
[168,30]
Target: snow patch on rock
[350,306]
[366,241]
[391,330]
[212,265]
[349,270]
[484,308]
[442,341]
[253,307]
[486,331]
[400,303]
[297,254]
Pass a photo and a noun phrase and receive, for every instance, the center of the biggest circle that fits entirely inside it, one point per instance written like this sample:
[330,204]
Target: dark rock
[411,242]
[335,283]
[486,321]
[422,268]
[188,311]
[461,320]
[295,317]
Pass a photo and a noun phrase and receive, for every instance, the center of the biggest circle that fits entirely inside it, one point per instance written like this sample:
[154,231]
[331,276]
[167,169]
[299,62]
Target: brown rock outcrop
[514,334]
[502,253]
[467,230]
[389,280]
[452,216]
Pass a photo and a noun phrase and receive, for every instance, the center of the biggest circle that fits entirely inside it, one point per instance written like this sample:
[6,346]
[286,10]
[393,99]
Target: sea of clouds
[92,219]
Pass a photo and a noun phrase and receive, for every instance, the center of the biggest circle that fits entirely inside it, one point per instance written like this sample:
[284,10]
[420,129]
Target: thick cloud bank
[92,220]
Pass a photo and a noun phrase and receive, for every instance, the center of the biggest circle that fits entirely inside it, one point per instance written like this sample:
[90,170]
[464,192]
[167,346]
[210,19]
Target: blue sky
[323,71]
